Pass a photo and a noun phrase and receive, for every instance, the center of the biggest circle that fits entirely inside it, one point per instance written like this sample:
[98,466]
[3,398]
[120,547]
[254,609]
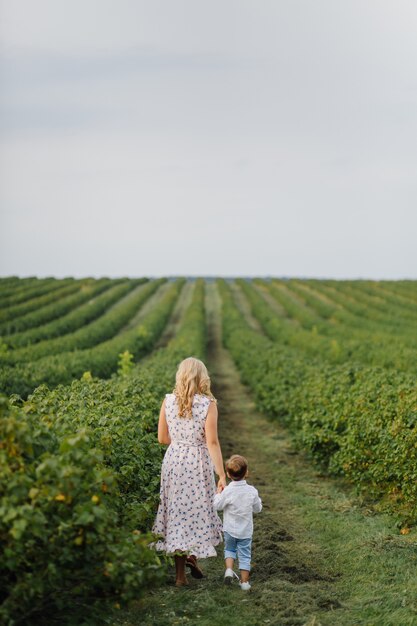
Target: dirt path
[318,558]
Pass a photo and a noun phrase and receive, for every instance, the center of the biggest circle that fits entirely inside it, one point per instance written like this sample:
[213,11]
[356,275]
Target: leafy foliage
[355,420]
[112,318]
[79,484]
[56,289]
[101,359]
[60,317]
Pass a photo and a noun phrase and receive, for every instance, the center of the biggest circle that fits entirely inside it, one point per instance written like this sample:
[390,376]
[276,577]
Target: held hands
[221,484]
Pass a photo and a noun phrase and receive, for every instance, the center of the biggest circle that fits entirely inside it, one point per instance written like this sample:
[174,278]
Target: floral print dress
[186,518]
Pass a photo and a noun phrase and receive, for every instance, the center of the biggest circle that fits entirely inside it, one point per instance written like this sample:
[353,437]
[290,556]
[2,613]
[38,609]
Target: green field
[316,386]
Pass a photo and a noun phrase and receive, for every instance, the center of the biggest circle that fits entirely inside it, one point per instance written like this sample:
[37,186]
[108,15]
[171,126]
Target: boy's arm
[257,503]
[220,500]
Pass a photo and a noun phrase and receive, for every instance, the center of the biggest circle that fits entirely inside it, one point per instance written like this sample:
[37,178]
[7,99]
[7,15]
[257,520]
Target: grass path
[149,304]
[319,557]
[244,306]
[180,309]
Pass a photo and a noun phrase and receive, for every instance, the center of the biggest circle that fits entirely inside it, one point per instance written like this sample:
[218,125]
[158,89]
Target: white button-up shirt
[238,501]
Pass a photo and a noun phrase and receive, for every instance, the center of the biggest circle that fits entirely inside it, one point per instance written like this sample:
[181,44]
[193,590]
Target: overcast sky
[209,137]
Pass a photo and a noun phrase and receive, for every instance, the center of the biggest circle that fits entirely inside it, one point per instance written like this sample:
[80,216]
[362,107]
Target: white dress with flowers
[186,519]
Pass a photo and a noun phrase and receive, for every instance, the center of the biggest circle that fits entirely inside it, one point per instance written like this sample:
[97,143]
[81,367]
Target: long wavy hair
[191,378]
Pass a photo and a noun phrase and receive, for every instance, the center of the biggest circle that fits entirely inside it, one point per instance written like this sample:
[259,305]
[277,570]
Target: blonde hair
[191,378]
[236,467]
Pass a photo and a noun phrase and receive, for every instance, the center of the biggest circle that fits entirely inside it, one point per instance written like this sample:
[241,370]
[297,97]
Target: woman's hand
[221,484]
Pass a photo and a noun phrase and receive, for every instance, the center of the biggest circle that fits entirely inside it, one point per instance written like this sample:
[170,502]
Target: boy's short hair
[236,467]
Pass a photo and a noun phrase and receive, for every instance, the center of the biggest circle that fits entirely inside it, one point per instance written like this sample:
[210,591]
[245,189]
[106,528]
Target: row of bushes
[370,312]
[101,359]
[336,343]
[124,303]
[26,329]
[403,288]
[331,309]
[30,288]
[354,420]
[10,285]
[406,299]
[374,304]
[56,290]
[79,482]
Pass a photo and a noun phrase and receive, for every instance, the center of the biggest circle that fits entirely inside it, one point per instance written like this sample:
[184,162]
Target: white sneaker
[228,576]
[245,586]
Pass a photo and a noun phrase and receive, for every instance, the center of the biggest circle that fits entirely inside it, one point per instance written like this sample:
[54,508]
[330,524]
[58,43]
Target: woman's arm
[163,433]
[213,445]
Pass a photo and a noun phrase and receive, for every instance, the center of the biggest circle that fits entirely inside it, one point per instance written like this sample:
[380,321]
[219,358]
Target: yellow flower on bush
[60,497]
[95,499]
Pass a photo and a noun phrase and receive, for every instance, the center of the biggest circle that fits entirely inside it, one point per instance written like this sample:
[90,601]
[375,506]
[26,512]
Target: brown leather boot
[195,571]
[180,578]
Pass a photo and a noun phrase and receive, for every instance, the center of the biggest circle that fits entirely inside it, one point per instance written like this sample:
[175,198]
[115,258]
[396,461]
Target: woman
[186,518]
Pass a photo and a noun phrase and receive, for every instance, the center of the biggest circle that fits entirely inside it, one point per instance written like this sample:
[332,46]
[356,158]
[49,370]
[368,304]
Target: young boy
[238,501]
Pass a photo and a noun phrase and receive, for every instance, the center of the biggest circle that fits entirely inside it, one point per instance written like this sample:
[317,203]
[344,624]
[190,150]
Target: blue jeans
[242,547]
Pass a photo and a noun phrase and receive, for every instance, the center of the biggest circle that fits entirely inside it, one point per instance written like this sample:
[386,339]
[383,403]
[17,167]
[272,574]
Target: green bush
[28,291]
[64,551]
[101,359]
[39,324]
[354,420]
[57,289]
[79,478]
[125,303]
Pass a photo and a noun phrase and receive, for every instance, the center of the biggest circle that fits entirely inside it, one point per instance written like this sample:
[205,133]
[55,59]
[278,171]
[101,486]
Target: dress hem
[199,552]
